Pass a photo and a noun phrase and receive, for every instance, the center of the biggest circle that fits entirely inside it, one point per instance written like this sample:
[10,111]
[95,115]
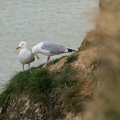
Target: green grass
[5,94]
[69,87]
[71,59]
[44,86]
[31,81]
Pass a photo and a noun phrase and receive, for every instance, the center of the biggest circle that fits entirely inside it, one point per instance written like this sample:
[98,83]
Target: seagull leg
[29,66]
[48,59]
[23,66]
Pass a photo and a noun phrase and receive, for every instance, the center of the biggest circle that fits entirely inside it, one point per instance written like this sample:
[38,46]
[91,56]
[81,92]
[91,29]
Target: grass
[40,83]
[5,94]
[71,59]
[30,81]
[69,88]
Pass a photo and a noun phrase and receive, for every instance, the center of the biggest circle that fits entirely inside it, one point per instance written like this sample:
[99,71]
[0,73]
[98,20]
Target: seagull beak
[18,47]
[37,57]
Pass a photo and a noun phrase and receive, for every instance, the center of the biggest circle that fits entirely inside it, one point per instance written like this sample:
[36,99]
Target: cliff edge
[84,85]
[59,92]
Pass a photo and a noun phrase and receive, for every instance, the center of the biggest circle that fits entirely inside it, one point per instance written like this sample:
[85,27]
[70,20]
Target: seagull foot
[44,66]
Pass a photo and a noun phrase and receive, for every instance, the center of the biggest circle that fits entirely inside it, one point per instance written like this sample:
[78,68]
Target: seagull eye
[22,43]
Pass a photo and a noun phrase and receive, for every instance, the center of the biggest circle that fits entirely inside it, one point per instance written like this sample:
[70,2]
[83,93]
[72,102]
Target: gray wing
[53,47]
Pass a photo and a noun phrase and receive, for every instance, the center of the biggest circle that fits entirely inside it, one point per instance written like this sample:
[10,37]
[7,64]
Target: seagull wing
[53,47]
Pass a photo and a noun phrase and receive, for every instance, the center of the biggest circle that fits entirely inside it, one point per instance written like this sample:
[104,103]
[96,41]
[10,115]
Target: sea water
[65,22]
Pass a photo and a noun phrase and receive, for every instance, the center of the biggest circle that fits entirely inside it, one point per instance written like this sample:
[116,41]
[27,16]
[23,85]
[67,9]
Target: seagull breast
[26,56]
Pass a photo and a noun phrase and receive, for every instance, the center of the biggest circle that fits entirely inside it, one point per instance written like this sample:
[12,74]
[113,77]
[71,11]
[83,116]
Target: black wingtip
[71,50]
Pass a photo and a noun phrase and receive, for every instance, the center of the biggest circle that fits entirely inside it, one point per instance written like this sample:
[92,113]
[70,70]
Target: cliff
[106,100]
[84,85]
[57,92]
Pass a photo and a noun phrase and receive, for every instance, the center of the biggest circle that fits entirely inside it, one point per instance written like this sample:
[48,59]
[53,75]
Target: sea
[65,22]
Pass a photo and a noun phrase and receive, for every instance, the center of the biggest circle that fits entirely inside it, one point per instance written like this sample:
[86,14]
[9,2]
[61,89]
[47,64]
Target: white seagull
[25,55]
[49,49]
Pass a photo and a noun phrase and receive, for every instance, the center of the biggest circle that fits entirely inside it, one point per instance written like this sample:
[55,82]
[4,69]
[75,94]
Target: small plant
[71,59]
[40,84]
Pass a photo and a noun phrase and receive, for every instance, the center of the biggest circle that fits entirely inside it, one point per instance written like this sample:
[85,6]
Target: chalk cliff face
[19,106]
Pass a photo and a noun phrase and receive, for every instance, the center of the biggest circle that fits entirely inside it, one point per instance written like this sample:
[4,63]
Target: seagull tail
[71,50]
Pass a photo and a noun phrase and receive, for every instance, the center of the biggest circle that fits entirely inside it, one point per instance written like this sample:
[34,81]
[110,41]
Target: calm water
[62,21]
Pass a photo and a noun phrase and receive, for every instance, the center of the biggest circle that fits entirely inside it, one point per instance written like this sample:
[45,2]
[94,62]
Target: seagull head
[21,45]
[35,51]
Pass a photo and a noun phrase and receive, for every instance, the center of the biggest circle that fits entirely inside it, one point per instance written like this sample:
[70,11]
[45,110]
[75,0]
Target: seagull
[25,55]
[49,49]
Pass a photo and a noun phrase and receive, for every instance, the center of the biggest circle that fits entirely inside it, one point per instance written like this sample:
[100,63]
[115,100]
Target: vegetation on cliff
[61,88]
[73,80]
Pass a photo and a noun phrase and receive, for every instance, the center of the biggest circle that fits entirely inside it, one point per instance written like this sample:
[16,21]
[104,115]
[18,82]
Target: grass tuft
[71,59]
[44,86]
